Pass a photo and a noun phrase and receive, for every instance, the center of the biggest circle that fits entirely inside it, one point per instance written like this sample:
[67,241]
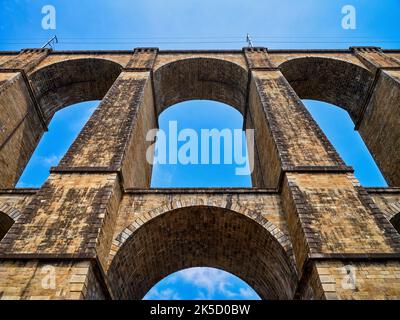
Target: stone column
[68,227]
[114,137]
[331,219]
[21,119]
[379,121]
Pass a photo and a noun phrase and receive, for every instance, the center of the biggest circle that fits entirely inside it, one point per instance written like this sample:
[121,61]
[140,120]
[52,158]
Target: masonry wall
[21,127]
[49,280]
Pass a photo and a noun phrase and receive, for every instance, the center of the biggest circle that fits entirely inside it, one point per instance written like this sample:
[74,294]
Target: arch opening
[335,84]
[202,236]
[196,150]
[207,79]
[6,223]
[57,86]
[201,283]
[339,129]
[63,129]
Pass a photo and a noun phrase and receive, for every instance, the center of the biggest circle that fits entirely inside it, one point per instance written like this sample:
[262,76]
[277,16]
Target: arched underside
[68,82]
[200,79]
[202,236]
[5,224]
[330,80]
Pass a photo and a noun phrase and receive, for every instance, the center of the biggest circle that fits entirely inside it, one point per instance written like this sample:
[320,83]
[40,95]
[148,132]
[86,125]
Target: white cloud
[208,284]
[211,281]
[225,291]
[247,293]
[167,294]
[207,279]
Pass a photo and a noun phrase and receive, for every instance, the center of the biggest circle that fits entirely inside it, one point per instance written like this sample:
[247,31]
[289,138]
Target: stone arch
[331,80]
[67,82]
[206,78]
[392,213]
[200,78]
[244,244]
[8,215]
[282,238]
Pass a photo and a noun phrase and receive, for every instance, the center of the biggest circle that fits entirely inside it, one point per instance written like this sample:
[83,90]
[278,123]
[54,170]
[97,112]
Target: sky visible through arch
[200,24]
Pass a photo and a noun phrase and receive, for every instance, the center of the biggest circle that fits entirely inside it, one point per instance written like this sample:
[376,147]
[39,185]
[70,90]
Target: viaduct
[305,230]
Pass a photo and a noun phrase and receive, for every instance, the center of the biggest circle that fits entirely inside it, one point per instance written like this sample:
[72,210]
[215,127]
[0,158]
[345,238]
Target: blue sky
[203,284]
[126,23]
[196,115]
[199,24]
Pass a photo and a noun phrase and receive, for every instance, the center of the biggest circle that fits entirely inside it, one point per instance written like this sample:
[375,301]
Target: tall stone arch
[363,90]
[198,236]
[31,94]
[208,77]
